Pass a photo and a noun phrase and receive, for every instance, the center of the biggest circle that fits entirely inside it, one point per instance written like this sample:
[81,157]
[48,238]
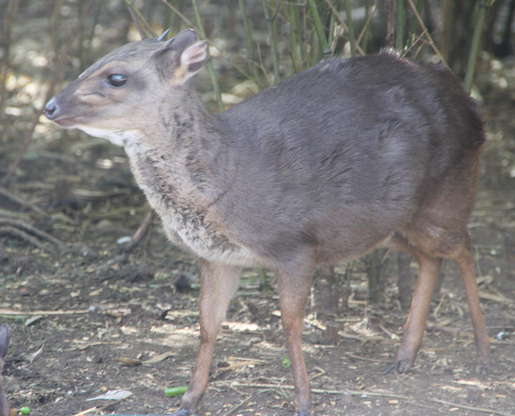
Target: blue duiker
[321,168]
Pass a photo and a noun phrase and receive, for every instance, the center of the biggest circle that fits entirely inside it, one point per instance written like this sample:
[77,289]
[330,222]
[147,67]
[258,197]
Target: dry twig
[319,391]
[12,312]
[473,408]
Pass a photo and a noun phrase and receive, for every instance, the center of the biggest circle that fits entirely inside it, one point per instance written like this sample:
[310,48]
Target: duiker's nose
[51,109]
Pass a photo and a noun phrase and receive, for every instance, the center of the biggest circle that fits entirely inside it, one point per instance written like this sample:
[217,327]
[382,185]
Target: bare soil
[87,318]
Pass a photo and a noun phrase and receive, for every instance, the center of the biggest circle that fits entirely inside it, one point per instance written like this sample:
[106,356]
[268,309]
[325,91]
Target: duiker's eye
[116,80]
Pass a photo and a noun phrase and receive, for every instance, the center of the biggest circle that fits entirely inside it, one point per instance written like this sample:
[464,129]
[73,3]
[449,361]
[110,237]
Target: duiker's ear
[182,40]
[181,57]
[192,59]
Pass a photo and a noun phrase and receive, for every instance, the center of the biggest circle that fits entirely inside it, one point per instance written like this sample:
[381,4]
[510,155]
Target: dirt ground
[87,318]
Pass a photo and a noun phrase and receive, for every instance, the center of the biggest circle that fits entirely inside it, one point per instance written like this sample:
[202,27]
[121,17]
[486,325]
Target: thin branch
[184,18]
[428,36]
[32,230]
[22,235]
[9,195]
[138,18]
[343,24]
[367,23]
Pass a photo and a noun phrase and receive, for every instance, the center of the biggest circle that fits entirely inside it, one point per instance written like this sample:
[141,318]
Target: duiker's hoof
[401,366]
[481,368]
[181,412]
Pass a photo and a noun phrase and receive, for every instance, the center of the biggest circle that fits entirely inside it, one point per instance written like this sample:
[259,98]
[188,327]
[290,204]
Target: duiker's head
[120,96]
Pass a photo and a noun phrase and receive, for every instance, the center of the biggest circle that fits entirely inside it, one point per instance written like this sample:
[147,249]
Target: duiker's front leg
[217,286]
[294,288]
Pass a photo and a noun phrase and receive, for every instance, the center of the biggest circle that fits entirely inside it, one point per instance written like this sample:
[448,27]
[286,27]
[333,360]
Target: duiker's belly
[204,240]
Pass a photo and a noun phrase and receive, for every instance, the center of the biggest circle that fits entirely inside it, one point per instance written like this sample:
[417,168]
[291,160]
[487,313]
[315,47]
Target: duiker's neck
[181,150]
[178,121]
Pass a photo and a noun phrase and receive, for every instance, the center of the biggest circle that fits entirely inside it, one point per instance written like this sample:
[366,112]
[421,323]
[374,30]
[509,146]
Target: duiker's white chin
[117,137]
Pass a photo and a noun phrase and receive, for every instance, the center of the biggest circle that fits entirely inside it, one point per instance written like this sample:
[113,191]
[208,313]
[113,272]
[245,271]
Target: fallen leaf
[158,358]
[128,361]
[112,395]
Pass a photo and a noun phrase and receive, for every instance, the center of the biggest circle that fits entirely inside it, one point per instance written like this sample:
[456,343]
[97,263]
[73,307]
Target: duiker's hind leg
[428,271]
[429,268]
[294,281]
[465,262]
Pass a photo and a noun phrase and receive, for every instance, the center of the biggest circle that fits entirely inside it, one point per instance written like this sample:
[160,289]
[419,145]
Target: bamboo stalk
[303,33]
[250,41]
[275,36]
[352,38]
[273,44]
[294,27]
[319,28]
[209,63]
[483,7]
[330,31]
[291,17]
[400,16]
[364,31]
